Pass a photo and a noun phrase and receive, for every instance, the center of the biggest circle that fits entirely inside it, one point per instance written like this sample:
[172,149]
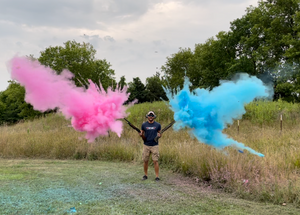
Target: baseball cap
[150,113]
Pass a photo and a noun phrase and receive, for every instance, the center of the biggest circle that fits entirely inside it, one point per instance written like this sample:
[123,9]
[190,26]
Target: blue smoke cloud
[207,113]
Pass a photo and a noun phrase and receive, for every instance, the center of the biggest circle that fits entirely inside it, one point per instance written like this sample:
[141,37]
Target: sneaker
[145,177]
[157,179]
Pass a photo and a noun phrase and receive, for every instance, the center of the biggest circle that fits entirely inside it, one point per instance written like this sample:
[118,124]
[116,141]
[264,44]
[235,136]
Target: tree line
[265,42]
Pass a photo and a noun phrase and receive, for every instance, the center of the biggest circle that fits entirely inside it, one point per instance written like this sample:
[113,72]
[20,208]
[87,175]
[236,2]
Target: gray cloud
[109,38]
[45,13]
[134,36]
[71,13]
[206,2]
[82,13]
[95,40]
[9,28]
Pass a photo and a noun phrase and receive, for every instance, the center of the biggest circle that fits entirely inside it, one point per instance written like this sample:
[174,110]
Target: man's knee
[155,153]
[146,153]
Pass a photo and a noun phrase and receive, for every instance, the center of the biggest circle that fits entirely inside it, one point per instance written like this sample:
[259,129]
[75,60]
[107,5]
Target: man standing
[149,131]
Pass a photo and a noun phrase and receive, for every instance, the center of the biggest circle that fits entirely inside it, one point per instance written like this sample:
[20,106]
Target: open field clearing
[33,186]
[270,179]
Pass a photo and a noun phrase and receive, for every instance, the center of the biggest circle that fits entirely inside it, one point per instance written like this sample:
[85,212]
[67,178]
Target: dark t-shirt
[150,130]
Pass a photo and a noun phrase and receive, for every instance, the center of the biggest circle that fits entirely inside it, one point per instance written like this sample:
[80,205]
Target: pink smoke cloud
[91,110]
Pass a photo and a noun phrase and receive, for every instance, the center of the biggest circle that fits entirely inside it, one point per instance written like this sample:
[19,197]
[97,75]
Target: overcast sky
[135,36]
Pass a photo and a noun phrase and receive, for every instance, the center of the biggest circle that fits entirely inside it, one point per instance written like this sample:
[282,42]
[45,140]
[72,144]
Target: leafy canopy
[79,58]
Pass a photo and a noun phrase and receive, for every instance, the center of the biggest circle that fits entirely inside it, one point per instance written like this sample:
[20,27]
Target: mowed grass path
[97,187]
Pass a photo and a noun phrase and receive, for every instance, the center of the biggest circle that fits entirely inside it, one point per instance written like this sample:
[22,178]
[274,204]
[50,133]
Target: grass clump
[269,112]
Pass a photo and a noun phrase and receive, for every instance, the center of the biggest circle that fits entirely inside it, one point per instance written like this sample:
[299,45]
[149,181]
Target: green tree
[80,60]
[122,82]
[12,105]
[103,74]
[155,90]
[177,66]
[263,42]
[249,36]
[2,110]
[268,34]
[285,91]
[213,60]
[137,91]
[205,66]
[286,82]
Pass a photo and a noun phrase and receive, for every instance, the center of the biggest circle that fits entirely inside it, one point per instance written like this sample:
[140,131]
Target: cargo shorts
[150,149]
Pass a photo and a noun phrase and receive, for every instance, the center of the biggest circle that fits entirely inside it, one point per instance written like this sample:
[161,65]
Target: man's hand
[142,135]
[158,136]
[159,133]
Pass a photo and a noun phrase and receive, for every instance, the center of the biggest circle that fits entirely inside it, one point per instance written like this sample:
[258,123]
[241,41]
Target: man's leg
[146,168]
[156,168]
[146,154]
[155,156]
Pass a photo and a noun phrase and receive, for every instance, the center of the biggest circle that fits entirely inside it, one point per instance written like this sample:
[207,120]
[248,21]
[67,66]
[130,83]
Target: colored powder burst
[207,113]
[91,110]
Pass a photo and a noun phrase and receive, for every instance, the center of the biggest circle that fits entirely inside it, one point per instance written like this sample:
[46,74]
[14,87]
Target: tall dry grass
[273,178]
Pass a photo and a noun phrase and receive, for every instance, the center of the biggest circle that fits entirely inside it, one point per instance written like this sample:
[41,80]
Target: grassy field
[274,178]
[33,186]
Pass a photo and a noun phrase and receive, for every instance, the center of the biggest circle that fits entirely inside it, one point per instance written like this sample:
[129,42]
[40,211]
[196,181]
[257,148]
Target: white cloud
[134,36]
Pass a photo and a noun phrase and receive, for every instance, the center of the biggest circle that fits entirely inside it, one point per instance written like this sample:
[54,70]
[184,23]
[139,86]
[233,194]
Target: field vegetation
[43,186]
[273,178]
